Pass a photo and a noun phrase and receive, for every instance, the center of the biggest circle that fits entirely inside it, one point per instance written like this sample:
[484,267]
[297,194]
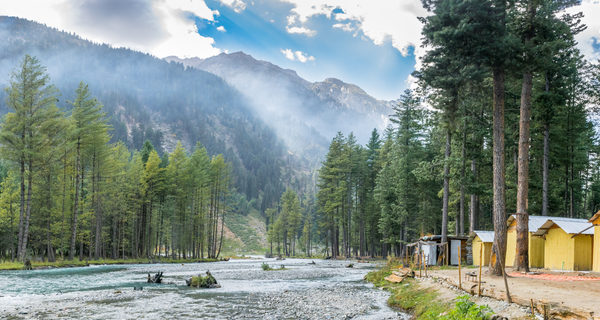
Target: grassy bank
[423,304]
[77,263]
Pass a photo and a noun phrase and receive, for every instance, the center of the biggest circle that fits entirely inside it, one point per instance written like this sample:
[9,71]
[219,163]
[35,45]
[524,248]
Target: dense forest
[146,98]
[501,123]
[68,192]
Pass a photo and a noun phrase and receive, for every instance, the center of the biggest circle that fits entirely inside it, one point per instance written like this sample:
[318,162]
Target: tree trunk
[446,190]
[98,238]
[461,220]
[49,247]
[545,158]
[27,211]
[473,212]
[21,209]
[522,254]
[499,206]
[75,201]
[64,196]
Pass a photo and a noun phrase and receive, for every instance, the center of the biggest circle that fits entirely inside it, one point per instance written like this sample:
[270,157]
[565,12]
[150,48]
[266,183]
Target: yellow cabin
[595,220]
[483,239]
[568,244]
[536,243]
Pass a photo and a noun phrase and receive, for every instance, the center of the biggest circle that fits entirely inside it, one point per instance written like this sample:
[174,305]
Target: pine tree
[32,101]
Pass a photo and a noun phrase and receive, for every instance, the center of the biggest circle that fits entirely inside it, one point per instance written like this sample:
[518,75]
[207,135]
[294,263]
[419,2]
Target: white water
[326,290]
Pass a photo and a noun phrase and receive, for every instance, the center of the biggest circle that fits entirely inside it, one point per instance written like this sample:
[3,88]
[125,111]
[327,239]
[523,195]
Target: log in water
[325,290]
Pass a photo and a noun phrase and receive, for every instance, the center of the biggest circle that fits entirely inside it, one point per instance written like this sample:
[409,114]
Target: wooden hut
[536,243]
[454,243]
[483,239]
[595,221]
[568,244]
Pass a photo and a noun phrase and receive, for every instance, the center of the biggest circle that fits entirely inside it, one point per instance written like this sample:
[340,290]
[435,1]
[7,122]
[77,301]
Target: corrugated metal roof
[485,236]
[569,225]
[536,222]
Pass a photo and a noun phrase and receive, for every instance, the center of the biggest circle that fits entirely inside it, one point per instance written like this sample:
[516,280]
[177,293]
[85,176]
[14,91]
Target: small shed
[536,243]
[429,252]
[483,239]
[595,221]
[568,244]
[454,243]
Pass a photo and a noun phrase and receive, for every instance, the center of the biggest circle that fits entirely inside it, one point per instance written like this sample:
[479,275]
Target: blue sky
[372,43]
[260,30]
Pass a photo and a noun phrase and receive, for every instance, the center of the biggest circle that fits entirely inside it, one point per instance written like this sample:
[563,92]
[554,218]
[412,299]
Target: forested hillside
[149,99]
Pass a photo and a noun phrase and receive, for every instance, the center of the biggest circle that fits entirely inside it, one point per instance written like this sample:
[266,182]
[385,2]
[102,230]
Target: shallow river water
[325,290]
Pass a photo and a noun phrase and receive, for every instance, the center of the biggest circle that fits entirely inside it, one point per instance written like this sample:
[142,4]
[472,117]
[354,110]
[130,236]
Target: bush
[466,309]
[266,267]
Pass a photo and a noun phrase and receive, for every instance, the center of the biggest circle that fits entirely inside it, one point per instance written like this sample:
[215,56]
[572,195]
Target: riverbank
[7,265]
[428,298]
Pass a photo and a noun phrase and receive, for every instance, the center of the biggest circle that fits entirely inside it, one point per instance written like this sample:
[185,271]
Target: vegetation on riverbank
[267,267]
[8,265]
[423,304]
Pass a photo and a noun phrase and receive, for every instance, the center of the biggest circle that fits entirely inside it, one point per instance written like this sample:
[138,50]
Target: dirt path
[564,298]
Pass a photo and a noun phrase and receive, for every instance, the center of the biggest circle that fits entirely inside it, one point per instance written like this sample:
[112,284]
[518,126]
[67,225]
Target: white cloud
[591,18]
[297,55]
[344,26]
[221,28]
[302,57]
[237,5]
[289,54]
[301,30]
[159,27]
[379,20]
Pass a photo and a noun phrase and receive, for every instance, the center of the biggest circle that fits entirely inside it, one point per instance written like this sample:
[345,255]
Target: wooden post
[532,308]
[480,263]
[508,299]
[415,258]
[406,256]
[420,260]
[459,271]
[426,262]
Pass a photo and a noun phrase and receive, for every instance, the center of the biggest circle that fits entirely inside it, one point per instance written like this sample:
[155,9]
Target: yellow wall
[583,252]
[536,248]
[511,244]
[487,249]
[558,250]
[536,251]
[596,247]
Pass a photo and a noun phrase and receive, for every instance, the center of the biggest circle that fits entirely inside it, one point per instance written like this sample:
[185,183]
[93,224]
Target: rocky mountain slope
[149,98]
[305,115]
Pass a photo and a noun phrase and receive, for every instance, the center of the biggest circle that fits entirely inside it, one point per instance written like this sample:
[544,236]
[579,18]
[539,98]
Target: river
[324,290]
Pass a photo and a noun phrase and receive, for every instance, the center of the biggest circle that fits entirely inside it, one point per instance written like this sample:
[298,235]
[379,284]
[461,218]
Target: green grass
[423,304]
[77,263]
[11,266]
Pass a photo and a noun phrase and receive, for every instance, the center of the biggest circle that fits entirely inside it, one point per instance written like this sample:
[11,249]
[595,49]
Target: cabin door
[454,247]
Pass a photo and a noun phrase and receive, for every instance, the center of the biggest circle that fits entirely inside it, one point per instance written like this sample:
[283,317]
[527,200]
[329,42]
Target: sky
[375,44]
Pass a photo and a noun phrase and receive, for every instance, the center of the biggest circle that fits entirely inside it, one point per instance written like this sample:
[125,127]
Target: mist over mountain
[269,122]
[151,99]
[305,115]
